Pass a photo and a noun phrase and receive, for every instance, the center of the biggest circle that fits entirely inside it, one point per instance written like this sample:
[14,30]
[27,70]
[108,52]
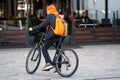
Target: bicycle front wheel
[33,60]
[67,62]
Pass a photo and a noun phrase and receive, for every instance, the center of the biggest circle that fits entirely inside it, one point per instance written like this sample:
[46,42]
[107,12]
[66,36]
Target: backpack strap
[49,25]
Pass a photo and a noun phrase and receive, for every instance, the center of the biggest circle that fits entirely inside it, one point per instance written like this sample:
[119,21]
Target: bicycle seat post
[59,43]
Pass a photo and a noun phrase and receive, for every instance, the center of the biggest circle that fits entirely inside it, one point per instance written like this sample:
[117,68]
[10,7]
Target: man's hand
[0,28]
[30,29]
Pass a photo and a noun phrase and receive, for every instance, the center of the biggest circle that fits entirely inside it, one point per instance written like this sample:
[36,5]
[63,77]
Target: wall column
[106,9]
[44,8]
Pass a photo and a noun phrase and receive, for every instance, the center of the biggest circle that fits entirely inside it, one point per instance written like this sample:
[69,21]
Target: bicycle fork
[34,56]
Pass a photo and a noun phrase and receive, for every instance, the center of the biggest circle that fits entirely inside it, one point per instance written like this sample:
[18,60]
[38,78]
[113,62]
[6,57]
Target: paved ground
[96,62]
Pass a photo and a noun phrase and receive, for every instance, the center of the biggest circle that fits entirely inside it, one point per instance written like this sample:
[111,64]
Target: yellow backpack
[60,27]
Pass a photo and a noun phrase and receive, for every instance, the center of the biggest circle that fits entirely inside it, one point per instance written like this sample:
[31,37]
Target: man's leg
[47,44]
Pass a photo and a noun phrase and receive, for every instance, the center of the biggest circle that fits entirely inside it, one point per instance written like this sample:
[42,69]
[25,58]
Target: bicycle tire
[35,55]
[67,65]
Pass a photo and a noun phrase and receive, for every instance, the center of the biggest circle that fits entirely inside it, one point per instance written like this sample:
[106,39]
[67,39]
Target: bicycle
[69,62]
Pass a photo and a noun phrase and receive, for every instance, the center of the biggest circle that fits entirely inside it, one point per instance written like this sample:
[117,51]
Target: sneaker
[55,72]
[47,67]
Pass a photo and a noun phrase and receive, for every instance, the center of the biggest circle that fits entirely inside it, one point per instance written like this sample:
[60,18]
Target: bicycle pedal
[46,70]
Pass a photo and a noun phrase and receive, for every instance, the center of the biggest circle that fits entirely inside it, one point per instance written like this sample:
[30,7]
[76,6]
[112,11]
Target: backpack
[60,27]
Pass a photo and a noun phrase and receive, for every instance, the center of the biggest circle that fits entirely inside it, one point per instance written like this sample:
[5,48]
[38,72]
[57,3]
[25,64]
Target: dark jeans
[48,43]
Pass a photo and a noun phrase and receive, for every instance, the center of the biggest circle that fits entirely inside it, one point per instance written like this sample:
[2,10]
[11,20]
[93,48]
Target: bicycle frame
[41,43]
[57,48]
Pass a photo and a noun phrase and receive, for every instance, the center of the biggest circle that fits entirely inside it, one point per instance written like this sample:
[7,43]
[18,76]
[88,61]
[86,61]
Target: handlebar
[40,35]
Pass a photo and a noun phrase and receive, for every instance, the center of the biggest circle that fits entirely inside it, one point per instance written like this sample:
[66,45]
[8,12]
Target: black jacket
[50,20]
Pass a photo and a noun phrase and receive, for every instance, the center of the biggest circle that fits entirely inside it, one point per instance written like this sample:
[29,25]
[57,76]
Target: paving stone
[96,62]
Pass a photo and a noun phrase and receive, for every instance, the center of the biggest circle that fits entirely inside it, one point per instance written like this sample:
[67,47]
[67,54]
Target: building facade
[113,6]
[15,8]
[18,15]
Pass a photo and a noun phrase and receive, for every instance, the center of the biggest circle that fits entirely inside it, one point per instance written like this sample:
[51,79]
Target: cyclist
[50,38]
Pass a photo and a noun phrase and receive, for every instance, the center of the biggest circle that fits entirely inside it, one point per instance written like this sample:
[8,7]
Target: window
[1,9]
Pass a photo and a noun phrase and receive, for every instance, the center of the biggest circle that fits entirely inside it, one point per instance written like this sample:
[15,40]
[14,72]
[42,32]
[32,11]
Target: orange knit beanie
[51,8]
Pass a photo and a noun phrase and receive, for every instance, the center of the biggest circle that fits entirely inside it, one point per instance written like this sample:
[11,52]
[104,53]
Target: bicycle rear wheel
[69,63]
[33,60]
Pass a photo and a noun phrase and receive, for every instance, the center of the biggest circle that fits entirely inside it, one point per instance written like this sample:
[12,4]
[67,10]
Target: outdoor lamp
[94,1]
